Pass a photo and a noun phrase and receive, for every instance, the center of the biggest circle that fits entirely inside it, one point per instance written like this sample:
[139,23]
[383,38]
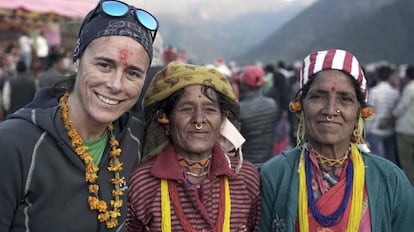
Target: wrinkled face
[331,95]
[110,78]
[191,108]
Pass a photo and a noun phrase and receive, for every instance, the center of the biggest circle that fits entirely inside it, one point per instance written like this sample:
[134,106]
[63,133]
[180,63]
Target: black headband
[104,25]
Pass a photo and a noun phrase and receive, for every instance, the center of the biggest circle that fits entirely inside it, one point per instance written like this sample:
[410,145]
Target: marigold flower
[117,192]
[82,149]
[64,108]
[115,167]
[295,106]
[73,133]
[367,112]
[65,116]
[116,203]
[93,202]
[102,217]
[162,118]
[118,181]
[115,152]
[112,223]
[87,159]
[91,168]
[68,125]
[93,188]
[91,177]
[113,142]
[114,213]
[101,207]
[110,127]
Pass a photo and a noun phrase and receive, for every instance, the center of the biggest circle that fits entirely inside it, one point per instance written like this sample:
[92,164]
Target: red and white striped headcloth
[333,59]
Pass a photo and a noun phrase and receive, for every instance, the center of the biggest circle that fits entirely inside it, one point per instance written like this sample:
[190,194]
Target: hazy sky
[212,9]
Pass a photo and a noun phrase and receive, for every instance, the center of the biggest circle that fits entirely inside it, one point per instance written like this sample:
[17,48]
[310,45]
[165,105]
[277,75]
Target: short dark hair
[54,58]
[21,66]
[409,72]
[384,73]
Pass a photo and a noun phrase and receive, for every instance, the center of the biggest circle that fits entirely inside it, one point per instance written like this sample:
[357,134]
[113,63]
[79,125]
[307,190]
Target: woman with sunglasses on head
[329,181]
[194,177]
[65,158]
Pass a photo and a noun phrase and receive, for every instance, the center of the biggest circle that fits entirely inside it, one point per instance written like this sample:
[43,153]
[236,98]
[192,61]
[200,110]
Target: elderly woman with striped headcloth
[329,182]
[194,178]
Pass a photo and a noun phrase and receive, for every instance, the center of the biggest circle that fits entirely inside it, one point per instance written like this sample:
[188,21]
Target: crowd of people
[27,65]
[124,134]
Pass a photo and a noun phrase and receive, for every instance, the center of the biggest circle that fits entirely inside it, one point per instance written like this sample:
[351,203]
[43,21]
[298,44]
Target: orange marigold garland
[106,215]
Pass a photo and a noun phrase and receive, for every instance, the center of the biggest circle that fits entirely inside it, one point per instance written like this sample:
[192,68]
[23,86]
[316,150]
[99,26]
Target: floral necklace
[105,215]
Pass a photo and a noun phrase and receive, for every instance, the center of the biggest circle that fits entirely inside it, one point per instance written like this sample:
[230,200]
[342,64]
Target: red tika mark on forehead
[333,88]
[123,56]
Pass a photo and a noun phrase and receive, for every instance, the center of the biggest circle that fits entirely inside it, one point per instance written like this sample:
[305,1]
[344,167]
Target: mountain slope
[372,29]
[206,40]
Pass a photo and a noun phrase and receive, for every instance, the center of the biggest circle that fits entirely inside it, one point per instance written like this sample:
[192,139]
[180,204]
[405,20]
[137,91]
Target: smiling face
[331,91]
[191,108]
[109,80]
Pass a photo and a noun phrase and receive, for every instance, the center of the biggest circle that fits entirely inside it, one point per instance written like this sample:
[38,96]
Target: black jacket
[258,118]
[43,185]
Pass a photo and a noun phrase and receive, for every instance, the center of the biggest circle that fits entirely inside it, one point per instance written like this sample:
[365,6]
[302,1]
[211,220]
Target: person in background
[169,54]
[380,128]
[66,157]
[55,72]
[42,49]
[258,116]
[329,182]
[26,44]
[231,75]
[279,92]
[403,114]
[194,178]
[12,54]
[18,90]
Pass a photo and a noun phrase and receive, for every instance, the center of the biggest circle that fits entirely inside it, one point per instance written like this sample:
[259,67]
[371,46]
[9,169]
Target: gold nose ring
[329,118]
[198,126]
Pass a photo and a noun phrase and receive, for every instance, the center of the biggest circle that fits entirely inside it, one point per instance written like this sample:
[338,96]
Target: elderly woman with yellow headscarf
[329,181]
[194,177]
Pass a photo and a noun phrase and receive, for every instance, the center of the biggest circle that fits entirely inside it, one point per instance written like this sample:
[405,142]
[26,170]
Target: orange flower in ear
[367,111]
[163,118]
[295,106]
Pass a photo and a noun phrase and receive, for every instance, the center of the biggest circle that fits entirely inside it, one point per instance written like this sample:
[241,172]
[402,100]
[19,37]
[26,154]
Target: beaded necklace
[194,168]
[331,219]
[107,216]
[358,183]
[330,162]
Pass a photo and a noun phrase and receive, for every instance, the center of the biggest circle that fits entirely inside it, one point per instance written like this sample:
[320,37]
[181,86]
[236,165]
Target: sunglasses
[119,9]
